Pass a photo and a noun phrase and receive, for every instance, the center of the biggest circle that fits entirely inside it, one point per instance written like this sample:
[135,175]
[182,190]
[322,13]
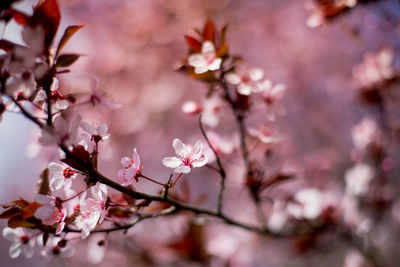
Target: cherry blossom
[264,134]
[131,168]
[358,179]
[52,212]
[375,68]
[56,250]
[209,110]
[364,133]
[92,209]
[308,204]
[62,133]
[96,134]
[246,79]
[222,145]
[206,60]
[187,157]
[61,176]
[272,93]
[99,98]
[22,241]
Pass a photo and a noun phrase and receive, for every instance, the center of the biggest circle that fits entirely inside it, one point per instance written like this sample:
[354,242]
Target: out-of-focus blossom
[191,108]
[358,179]
[364,133]
[272,93]
[92,209]
[187,157]
[264,134]
[96,134]
[353,259]
[56,250]
[61,176]
[96,249]
[375,68]
[246,79]
[307,204]
[52,212]
[222,146]
[278,216]
[131,168]
[22,241]
[61,133]
[21,85]
[99,98]
[324,10]
[206,60]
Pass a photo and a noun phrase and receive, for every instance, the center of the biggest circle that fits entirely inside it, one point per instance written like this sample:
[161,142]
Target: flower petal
[171,162]
[182,169]
[136,159]
[179,146]
[126,162]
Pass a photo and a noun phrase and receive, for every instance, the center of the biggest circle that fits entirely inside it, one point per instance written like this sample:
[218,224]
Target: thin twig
[221,169]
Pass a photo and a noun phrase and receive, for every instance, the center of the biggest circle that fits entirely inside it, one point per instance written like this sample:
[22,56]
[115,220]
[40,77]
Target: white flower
[21,240]
[61,133]
[264,134]
[55,251]
[375,68]
[206,60]
[308,204]
[246,79]
[97,134]
[92,209]
[364,133]
[187,157]
[131,169]
[60,176]
[358,179]
[272,93]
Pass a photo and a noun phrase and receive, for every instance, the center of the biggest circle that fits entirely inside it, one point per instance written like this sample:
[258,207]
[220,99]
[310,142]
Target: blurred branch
[221,169]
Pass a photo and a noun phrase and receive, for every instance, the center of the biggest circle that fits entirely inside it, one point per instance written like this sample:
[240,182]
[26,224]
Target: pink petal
[126,162]
[207,47]
[216,64]
[182,169]
[136,159]
[171,162]
[87,127]
[197,60]
[179,146]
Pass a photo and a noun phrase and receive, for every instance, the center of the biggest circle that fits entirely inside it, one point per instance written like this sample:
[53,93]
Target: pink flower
[264,134]
[21,240]
[272,93]
[99,98]
[61,133]
[246,79]
[55,251]
[364,133]
[131,169]
[52,212]
[358,179]
[375,68]
[308,204]
[60,176]
[187,157]
[206,60]
[93,209]
[97,134]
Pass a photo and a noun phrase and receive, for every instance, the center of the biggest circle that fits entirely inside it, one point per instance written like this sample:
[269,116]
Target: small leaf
[18,221]
[42,187]
[223,34]
[66,60]
[21,203]
[71,30]
[222,51]
[280,177]
[30,210]
[194,45]
[209,31]
[46,14]
[11,212]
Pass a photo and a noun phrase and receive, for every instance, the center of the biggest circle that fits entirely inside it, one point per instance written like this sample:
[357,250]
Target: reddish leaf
[19,17]
[30,210]
[194,45]
[207,77]
[11,212]
[66,60]
[119,213]
[21,203]
[209,31]
[71,30]
[42,187]
[47,14]
[18,221]
[222,51]
[223,34]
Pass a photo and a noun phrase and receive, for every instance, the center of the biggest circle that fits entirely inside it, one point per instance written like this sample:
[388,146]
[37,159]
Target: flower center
[24,239]
[68,172]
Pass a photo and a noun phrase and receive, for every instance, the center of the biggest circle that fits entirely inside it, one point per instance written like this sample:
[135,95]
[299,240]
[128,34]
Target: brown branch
[221,169]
